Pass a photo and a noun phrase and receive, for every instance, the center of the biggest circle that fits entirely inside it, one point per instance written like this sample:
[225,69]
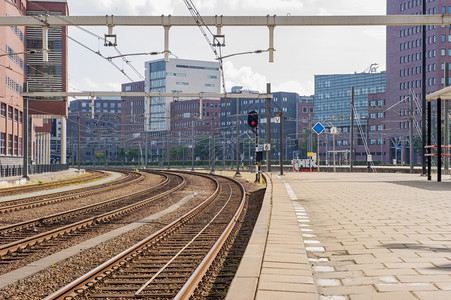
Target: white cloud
[290,86]
[89,84]
[301,51]
[121,7]
[243,76]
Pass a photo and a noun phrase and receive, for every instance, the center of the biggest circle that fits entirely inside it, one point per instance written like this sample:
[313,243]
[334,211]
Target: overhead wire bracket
[110,39]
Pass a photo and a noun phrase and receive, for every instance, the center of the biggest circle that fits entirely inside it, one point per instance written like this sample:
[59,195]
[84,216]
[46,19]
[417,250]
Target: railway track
[36,201]
[172,262]
[94,175]
[21,240]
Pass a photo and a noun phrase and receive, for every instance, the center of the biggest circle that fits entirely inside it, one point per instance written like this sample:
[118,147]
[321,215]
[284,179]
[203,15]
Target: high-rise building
[332,106]
[295,110]
[12,66]
[405,68]
[48,75]
[177,76]
[100,130]
[133,109]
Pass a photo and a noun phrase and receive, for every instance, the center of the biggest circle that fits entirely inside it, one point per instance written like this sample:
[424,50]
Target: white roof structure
[444,94]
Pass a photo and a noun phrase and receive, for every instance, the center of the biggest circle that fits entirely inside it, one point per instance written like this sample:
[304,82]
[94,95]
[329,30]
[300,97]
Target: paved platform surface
[350,236]
[62,175]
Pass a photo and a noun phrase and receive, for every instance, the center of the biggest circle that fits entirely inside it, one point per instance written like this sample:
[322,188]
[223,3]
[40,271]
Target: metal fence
[8,171]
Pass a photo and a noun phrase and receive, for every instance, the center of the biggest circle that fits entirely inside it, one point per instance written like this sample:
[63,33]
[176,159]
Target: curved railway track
[172,262]
[94,175]
[36,201]
[19,240]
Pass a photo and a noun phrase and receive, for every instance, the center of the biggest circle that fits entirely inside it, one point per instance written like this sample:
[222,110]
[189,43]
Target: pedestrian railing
[11,170]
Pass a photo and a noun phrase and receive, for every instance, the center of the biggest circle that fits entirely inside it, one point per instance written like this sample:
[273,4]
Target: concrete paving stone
[297,272]
[444,286]
[375,266]
[413,286]
[293,259]
[434,271]
[389,272]
[346,290]
[328,282]
[250,267]
[440,295]
[289,249]
[404,265]
[375,251]
[286,278]
[433,260]
[287,286]
[442,254]
[385,296]
[243,289]
[277,295]
[446,278]
[285,266]
[340,275]
[369,280]
[399,254]
[440,237]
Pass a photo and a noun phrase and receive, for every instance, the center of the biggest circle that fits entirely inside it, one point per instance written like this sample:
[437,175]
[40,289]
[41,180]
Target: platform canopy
[444,94]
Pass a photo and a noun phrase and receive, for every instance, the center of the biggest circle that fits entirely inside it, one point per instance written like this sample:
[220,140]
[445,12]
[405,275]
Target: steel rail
[84,282]
[193,282]
[36,239]
[71,195]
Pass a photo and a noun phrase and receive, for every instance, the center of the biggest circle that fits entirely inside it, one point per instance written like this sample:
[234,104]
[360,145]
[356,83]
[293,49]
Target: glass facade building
[332,99]
[176,76]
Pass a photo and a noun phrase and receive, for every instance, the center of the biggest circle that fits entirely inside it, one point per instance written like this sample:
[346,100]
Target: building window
[10,113]
[10,144]
[2,143]
[3,110]
[16,145]
[16,115]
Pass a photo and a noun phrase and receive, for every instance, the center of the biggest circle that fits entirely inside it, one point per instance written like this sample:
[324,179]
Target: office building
[296,111]
[405,70]
[332,107]
[100,131]
[48,73]
[177,76]
[12,68]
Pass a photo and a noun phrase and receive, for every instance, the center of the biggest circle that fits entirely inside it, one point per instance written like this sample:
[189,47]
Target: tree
[180,152]
[202,148]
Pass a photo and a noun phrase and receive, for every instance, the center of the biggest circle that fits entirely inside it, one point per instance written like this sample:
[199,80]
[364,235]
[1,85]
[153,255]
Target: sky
[301,52]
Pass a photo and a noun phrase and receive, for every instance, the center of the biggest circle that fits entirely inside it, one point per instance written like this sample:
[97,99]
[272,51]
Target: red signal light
[252,119]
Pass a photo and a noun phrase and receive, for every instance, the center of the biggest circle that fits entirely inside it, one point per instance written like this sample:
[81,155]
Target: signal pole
[252,121]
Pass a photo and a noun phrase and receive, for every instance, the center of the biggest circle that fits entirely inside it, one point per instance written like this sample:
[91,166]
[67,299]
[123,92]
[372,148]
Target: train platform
[353,236]
[44,177]
[50,177]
